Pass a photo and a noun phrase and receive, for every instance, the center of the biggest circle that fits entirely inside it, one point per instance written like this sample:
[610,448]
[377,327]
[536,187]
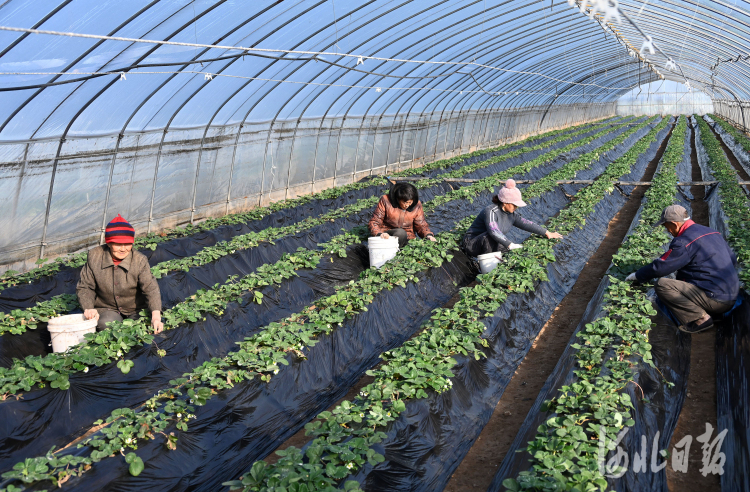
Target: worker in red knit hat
[487,232]
[116,283]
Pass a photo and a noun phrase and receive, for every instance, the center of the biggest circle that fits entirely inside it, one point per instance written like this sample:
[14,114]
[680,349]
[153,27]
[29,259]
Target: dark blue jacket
[497,222]
[701,257]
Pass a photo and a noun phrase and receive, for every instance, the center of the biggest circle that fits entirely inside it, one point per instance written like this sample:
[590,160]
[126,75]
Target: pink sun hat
[510,194]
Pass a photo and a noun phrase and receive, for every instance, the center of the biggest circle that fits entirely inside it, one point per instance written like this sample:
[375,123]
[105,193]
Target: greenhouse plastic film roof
[99,116]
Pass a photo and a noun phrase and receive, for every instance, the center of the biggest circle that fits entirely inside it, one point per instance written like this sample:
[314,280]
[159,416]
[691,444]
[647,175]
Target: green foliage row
[253,239]
[260,355]
[732,197]
[151,240]
[344,438]
[19,320]
[112,344]
[565,451]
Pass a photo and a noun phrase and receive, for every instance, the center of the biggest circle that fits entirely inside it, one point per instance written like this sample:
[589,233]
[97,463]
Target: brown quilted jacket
[388,217]
[127,288]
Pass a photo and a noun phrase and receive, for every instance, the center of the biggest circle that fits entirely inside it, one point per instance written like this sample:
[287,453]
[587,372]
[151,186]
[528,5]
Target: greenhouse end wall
[665,104]
[59,194]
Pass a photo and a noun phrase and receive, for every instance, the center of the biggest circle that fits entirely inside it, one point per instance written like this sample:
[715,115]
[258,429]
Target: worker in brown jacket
[400,214]
[116,281]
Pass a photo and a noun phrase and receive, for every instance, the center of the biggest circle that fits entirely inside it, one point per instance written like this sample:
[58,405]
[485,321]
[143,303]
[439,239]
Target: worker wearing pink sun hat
[487,232]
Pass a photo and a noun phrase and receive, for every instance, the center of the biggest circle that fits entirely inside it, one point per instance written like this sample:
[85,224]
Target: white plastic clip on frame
[648,44]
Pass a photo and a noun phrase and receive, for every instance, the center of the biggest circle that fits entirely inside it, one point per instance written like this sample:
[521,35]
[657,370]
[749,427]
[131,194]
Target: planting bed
[729,213]
[272,316]
[348,368]
[202,259]
[149,371]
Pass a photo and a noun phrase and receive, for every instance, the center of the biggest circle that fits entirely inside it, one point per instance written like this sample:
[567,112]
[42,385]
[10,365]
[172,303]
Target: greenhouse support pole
[231,167]
[197,173]
[109,187]
[49,198]
[374,139]
[414,145]
[156,175]
[437,134]
[336,158]
[263,169]
[390,137]
[317,146]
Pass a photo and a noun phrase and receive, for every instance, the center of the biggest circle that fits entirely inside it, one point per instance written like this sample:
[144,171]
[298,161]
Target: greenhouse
[295,246]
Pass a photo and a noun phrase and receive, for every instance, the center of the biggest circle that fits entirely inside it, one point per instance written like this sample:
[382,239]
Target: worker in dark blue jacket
[707,281]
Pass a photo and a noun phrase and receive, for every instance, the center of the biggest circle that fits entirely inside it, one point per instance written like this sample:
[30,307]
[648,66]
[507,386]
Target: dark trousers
[482,244]
[403,238]
[107,315]
[686,301]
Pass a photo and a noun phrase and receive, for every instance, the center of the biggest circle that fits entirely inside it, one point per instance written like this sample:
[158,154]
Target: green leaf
[136,465]
[125,365]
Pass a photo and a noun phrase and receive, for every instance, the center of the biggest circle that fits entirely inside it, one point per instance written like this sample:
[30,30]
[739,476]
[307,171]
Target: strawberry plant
[565,450]
[212,253]
[112,344]
[344,437]
[731,196]
[151,240]
[262,354]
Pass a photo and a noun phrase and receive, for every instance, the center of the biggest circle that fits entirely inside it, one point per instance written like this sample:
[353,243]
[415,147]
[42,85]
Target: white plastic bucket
[69,330]
[381,250]
[488,262]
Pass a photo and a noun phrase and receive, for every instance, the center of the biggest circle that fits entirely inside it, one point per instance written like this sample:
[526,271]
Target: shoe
[695,327]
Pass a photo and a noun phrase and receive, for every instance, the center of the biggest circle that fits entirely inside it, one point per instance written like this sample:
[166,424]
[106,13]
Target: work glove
[631,278]
[514,246]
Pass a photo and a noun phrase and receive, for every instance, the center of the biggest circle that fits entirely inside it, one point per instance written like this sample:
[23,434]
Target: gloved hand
[514,246]
[631,277]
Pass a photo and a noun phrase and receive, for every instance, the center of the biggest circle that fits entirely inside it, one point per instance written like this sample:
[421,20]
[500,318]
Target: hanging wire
[209,76]
[251,51]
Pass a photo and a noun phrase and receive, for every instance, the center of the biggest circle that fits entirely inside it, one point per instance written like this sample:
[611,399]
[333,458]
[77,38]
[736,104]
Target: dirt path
[476,471]
[700,401]
[732,159]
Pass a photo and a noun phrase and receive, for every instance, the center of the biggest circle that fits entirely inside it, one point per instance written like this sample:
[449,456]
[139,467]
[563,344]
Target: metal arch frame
[252,107]
[242,122]
[483,123]
[68,67]
[320,74]
[485,105]
[716,86]
[486,111]
[70,124]
[162,85]
[19,40]
[365,116]
[219,108]
[717,32]
[290,98]
[23,36]
[698,41]
[488,99]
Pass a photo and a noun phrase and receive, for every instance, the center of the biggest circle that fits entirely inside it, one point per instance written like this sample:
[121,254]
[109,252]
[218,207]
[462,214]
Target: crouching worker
[487,232]
[116,281]
[707,281]
[400,214]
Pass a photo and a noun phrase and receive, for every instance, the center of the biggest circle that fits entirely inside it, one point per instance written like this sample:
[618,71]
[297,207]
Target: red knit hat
[119,231]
